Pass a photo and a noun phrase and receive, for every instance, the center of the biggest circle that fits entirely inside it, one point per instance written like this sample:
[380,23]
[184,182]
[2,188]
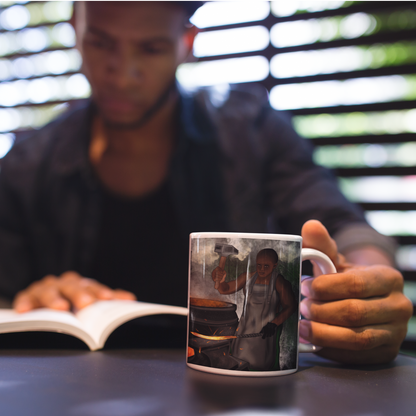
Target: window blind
[344,70]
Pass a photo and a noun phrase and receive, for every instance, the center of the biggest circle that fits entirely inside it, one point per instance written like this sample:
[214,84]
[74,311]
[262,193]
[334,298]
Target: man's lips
[119,105]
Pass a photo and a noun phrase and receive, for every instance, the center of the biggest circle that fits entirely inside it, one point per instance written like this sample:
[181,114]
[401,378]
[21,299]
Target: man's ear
[189,38]
[72,20]
[78,22]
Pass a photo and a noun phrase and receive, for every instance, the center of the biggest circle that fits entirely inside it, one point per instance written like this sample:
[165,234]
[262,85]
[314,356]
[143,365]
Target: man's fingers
[83,291]
[355,283]
[219,274]
[316,236]
[353,339]
[76,291]
[123,295]
[50,298]
[24,302]
[97,289]
[41,294]
[70,289]
[47,295]
[355,313]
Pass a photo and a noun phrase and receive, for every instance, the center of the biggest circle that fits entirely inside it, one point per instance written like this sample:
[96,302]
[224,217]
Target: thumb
[316,236]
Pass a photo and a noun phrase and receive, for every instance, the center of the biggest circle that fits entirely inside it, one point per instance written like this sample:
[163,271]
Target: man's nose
[125,69]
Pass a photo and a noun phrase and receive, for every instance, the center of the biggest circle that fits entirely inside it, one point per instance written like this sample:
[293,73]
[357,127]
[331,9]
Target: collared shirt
[238,166]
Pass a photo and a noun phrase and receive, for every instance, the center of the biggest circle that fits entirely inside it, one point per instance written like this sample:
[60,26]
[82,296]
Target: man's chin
[124,115]
[122,122]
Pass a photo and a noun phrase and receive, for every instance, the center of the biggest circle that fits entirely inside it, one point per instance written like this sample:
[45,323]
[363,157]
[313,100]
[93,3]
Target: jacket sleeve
[16,263]
[270,181]
[298,190]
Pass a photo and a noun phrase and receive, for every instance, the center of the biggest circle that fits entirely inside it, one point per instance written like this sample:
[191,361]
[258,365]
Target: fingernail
[84,300]
[304,329]
[304,310]
[106,294]
[124,295]
[23,307]
[304,288]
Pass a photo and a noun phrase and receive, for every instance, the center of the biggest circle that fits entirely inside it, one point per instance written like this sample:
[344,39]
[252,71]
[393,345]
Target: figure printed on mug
[246,320]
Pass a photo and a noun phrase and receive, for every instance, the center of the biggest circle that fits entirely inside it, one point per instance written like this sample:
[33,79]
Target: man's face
[130,54]
[264,266]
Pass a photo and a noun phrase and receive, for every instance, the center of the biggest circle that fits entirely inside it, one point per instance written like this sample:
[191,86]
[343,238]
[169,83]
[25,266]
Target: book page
[102,318]
[44,320]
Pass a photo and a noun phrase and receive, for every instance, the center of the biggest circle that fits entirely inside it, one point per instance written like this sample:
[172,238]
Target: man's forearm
[284,314]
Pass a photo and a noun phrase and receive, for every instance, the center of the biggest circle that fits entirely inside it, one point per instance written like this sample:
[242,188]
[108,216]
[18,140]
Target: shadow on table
[39,341]
[314,361]
[220,393]
[161,331]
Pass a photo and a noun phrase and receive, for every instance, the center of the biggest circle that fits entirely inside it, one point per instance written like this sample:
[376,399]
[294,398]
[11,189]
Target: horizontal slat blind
[350,84]
[346,71]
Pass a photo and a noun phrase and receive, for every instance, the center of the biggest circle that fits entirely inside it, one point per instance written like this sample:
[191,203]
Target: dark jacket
[238,166]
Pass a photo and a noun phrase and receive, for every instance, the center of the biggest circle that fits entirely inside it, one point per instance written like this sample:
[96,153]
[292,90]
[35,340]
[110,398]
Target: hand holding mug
[359,315]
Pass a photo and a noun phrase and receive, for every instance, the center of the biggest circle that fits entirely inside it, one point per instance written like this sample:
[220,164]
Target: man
[111,191]
[268,300]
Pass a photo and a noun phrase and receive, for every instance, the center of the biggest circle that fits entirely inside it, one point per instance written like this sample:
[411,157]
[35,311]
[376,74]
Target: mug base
[241,373]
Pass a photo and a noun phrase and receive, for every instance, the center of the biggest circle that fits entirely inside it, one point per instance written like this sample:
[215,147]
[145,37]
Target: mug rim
[254,236]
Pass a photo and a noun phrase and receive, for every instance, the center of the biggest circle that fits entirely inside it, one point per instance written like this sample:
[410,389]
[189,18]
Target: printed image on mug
[244,297]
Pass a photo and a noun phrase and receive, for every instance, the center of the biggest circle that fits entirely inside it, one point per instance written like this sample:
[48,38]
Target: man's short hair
[269,253]
[190,6]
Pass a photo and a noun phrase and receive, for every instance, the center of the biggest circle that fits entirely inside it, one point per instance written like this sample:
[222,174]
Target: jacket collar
[72,134]
[73,131]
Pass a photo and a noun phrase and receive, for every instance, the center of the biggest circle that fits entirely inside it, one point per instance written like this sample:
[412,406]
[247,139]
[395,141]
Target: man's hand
[62,293]
[218,276]
[359,315]
[268,330]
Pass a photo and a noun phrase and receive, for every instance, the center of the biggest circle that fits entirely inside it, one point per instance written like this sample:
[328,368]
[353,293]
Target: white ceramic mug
[244,295]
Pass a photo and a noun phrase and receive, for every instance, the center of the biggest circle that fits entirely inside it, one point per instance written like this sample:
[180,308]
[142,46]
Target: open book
[93,324]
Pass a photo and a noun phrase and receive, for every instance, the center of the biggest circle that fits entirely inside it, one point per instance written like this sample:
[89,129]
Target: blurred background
[344,70]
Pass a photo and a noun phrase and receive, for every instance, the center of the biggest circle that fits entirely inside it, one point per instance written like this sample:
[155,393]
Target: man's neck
[133,162]
[158,131]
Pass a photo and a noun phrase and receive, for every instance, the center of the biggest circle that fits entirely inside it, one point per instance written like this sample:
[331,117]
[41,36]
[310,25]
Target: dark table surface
[136,382]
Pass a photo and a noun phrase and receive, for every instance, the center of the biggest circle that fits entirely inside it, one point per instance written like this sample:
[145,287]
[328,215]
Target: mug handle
[326,266]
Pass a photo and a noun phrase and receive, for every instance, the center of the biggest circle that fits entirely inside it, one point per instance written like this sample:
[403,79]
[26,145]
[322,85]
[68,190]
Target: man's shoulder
[242,118]
[31,150]
[281,280]
[238,101]
[242,107]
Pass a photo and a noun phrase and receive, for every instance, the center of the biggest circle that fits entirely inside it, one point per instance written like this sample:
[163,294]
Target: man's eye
[100,44]
[154,49]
